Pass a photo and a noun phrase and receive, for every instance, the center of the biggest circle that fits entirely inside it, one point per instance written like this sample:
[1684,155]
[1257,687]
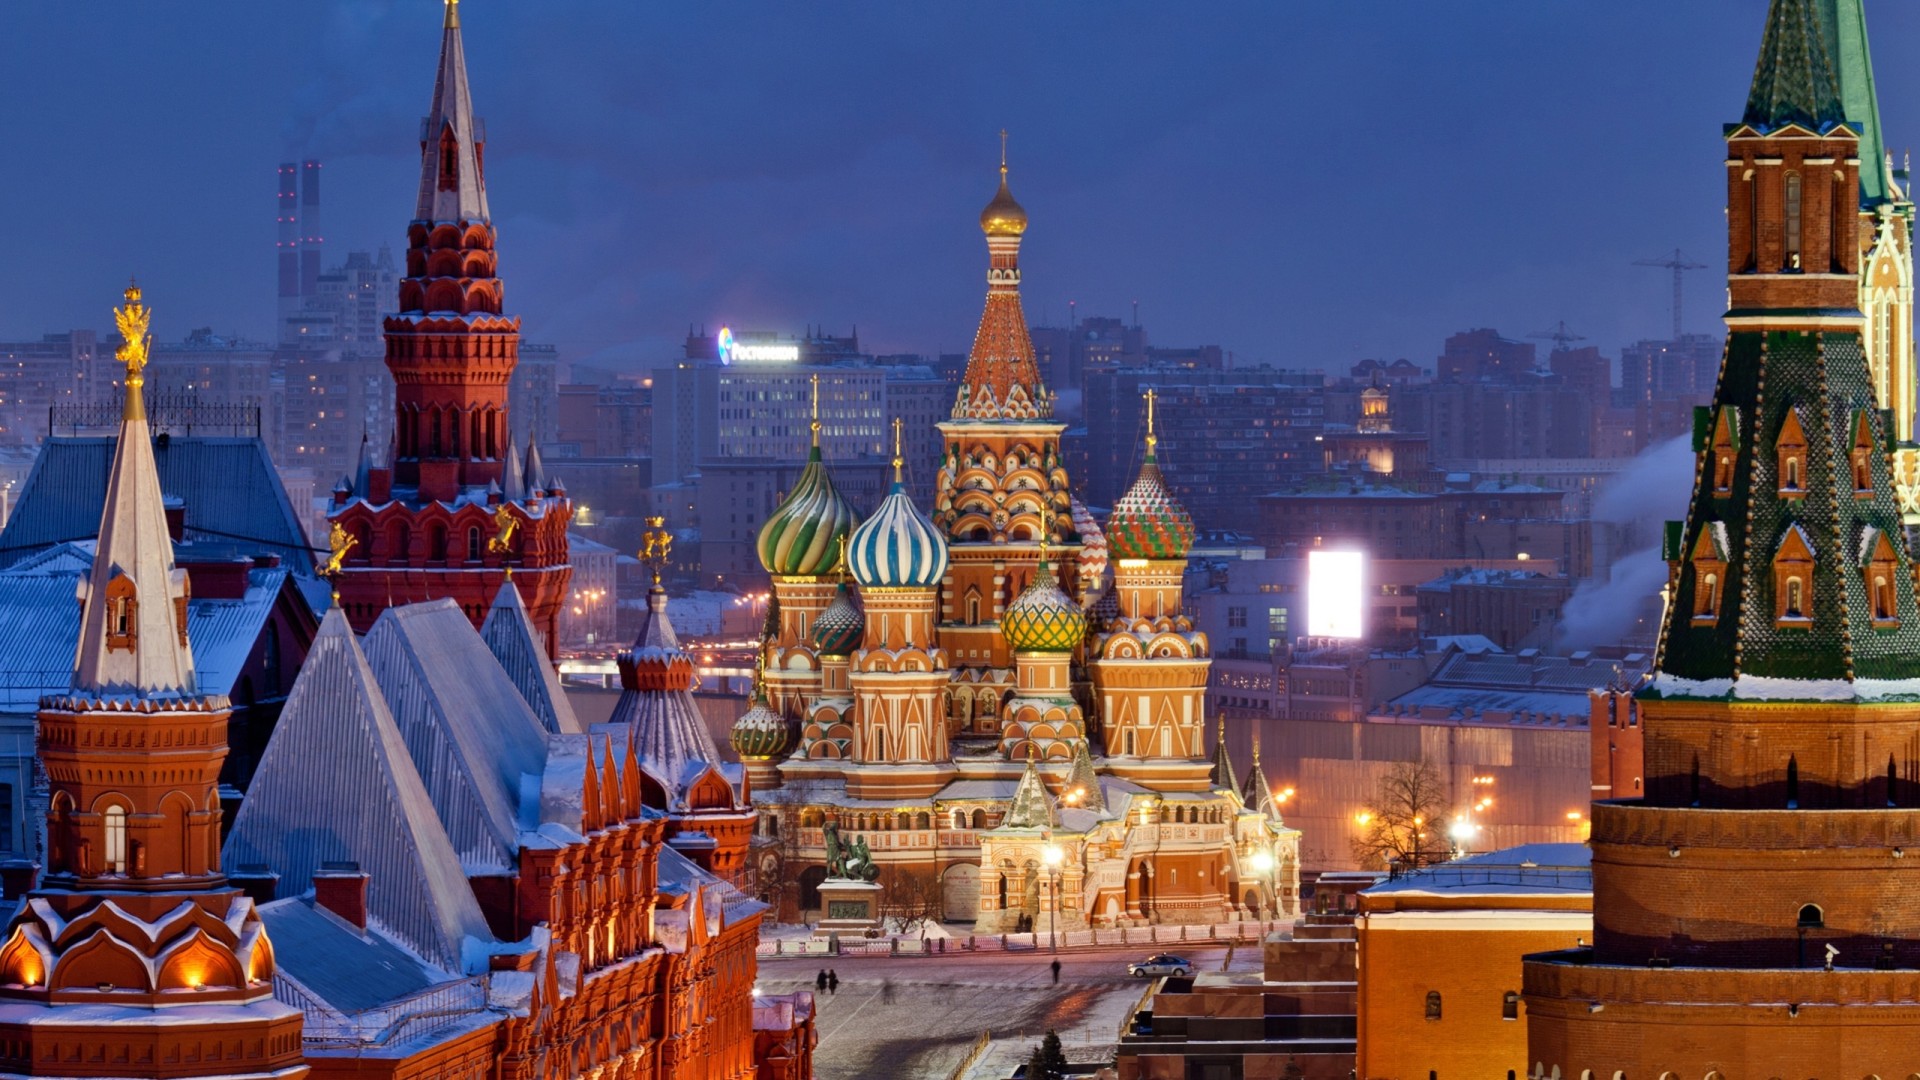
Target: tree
[1402,824]
[910,899]
[1048,1062]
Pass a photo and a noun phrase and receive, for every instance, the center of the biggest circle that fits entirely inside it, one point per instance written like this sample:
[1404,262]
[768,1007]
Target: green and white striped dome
[802,538]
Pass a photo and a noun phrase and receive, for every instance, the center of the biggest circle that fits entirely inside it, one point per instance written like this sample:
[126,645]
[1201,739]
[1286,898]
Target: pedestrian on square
[1056,973]
[833,982]
[820,981]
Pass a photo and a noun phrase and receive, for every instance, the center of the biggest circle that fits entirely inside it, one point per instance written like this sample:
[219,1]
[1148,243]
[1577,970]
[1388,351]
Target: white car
[1163,964]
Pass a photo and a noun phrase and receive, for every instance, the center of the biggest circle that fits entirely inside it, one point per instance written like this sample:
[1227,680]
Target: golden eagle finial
[133,321]
[656,546]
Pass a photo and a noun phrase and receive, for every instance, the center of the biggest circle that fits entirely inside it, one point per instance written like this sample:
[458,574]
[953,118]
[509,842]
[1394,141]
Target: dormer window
[1881,571]
[1709,562]
[123,614]
[1725,446]
[1791,451]
[1860,455]
[1793,579]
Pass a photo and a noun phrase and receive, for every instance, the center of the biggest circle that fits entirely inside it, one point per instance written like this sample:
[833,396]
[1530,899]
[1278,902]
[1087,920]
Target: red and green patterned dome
[1043,618]
[1148,522]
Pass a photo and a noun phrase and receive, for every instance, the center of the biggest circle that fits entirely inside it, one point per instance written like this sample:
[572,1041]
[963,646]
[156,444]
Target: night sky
[1301,184]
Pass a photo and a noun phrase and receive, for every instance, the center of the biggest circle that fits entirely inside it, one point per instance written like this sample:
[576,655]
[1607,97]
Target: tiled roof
[233,496]
[510,636]
[668,731]
[1793,81]
[337,783]
[349,970]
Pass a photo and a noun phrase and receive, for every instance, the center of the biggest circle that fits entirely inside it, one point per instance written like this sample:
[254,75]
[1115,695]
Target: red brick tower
[136,958]
[1754,911]
[456,508]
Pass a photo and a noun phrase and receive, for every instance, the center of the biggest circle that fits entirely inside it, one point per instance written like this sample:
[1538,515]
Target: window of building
[1236,617]
[115,821]
[1792,576]
[1793,221]
[1860,457]
[473,544]
[1433,1004]
[1790,450]
[1510,1006]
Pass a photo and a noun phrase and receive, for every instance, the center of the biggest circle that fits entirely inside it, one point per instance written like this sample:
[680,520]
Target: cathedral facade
[1001,700]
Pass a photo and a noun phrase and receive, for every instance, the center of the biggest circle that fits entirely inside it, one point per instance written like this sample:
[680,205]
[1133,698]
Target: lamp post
[1053,856]
[1262,862]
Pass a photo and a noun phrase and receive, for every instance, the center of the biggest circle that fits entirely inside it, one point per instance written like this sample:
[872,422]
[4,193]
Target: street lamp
[1263,864]
[1053,856]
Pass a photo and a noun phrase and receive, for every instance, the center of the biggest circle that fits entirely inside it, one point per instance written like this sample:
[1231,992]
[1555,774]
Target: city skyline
[788,171]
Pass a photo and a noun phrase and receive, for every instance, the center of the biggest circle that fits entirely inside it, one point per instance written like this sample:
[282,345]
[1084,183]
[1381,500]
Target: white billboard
[1336,594]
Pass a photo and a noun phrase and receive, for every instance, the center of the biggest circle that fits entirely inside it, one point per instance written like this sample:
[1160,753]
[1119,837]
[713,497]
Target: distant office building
[735,496]
[533,396]
[211,371]
[35,376]
[595,421]
[1227,436]
[1482,354]
[1514,609]
[326,401]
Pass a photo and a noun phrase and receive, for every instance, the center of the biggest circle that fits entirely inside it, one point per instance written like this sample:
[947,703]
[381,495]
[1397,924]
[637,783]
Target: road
[912,1017]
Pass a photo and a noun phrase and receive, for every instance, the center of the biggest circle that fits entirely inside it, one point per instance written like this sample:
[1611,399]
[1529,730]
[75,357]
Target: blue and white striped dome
[897,548]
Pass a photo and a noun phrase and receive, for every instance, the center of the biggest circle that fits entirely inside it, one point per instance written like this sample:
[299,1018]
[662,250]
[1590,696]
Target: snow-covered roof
[472,736]
[1530,869]
[337,784]
[511,637]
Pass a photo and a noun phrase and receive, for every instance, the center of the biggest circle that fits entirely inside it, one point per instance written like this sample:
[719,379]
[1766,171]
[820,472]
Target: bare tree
[910,900]
[1403,824]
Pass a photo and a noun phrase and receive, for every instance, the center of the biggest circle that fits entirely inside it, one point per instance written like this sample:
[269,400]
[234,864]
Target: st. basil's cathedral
[1003,698]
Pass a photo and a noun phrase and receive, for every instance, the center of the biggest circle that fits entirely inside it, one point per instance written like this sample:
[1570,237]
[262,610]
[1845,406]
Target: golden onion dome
[1003,216]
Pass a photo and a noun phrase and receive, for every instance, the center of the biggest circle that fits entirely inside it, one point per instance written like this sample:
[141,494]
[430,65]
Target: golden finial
[840,561]
[1003,151]
[504,526]
[453,14]
[656,546]
[899,463]
[134,320]
[339,542]
[1152,439]
[1043,549]
[815,381]
[1029,753]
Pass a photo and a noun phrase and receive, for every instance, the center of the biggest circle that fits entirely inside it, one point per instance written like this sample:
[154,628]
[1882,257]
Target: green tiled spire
[1794,80]
[1844,24]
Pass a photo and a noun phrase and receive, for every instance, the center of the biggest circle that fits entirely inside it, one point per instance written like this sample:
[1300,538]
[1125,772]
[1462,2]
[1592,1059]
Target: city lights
[1336,594]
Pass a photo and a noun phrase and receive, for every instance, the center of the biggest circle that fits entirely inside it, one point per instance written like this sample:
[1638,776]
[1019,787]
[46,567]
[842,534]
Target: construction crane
[1679,264]
[1560,336]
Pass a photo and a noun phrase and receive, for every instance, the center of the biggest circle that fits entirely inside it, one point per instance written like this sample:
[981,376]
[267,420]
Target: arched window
[123,613]
[1792,236]
[1793,782]
[1860,457]
[1882,571]
[959,819]
[1793,564]
[1433,1004]
[1510,1006]
[437,542]
[1796,598]
[1893,783]
[473,544]
[1812,918]
[114,820]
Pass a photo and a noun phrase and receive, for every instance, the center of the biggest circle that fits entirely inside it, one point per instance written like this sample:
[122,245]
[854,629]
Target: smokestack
[311,239]
[287,239]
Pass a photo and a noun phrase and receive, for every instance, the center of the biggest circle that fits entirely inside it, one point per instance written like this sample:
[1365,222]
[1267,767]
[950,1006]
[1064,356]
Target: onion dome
[838,630]
[1148,522]
[1093,547]
[760,732]
[1043,618]
[897,548]
[802,538]
[1003,216]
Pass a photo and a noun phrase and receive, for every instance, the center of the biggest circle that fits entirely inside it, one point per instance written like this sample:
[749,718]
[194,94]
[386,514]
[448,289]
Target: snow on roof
[1530,869]
[1490,919]
[337,783]
[510,636]
[1780,688]
[472,737]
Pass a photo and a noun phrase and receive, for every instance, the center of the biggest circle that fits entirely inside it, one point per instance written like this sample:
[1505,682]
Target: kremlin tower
[1752,912]
[457,510]
[135,957]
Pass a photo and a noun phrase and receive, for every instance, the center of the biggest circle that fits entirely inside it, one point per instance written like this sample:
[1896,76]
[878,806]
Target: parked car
[1162,964]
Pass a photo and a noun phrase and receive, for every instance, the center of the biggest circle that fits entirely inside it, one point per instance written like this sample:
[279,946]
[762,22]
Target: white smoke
[1617,603]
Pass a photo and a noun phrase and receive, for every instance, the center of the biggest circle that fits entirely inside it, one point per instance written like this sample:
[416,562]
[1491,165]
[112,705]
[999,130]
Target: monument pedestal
[849,907]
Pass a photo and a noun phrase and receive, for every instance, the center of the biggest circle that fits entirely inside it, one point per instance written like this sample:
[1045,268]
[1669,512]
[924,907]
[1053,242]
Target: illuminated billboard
[732,350]
[1336,594]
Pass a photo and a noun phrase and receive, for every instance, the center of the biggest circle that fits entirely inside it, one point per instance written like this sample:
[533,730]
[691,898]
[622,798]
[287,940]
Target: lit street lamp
[1053,856]
[1263,864]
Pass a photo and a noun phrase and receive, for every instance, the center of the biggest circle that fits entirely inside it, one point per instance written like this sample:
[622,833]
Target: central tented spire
[133,633]
[1002,380]
[452,143]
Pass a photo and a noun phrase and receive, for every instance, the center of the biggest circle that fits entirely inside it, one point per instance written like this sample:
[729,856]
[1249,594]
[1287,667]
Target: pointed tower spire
[1224,775]
[452,142]
[363,468]
[1844,23]
[1258,793]
[1031,807]
[133,631]
[1793,81]
[1082,790]
[1002,380]
[514,485]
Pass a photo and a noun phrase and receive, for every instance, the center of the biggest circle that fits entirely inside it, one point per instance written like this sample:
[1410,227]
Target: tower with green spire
[1784,708]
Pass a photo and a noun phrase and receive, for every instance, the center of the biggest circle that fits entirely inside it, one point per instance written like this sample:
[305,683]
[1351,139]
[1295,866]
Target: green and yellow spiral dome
[802,538]
[1043,618]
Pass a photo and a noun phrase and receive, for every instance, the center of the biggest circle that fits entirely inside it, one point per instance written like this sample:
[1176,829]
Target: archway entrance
[960,893]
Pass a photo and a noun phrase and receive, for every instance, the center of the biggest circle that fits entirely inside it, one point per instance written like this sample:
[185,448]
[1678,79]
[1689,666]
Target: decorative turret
[1148,522]
[1031,807]
[760,732]
[1002,380]
[898,548]
[1224,776]
[1093,558]
[1043,618]
[802,538]
[837,631]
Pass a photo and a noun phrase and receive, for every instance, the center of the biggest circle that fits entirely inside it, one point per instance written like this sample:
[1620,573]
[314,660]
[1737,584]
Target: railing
[425,1012]
[1249,931]
[180,413]
[974,1054]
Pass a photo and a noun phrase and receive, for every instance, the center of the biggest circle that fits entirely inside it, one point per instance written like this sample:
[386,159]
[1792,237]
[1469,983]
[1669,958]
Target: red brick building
[457,508]
[1769,842]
